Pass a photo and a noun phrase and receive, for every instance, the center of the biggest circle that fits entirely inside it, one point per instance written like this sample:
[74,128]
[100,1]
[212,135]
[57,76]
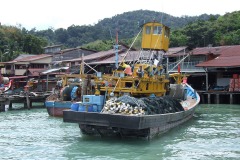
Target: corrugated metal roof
[27,58]
[53,46]
[54,70]
[18,77]
[175,50]
[98,55]
[131,56]
[231,51]
[229,57]
[35,71]
[222,61]
[210,50]
[72,49]
[23,56]
[33,58]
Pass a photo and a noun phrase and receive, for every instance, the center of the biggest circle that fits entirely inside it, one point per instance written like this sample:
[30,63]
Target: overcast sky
[43,14]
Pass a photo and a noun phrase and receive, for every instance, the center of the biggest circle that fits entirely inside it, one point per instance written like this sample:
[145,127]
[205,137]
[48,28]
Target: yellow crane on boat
[141,79]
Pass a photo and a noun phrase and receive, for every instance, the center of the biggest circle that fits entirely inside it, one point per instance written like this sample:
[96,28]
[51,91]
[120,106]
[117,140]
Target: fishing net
[153,105]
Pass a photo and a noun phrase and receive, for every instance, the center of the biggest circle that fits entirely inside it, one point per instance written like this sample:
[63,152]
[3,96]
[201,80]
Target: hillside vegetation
[195,31]
[127,24]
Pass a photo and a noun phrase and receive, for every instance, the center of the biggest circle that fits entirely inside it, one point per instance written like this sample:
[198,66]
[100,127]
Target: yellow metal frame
[145,79]
[119,83]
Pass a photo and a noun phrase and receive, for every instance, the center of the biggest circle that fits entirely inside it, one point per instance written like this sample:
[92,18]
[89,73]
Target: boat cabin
[155,36]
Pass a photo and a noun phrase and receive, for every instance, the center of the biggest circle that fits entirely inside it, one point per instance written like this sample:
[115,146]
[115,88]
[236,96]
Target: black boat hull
[147,126]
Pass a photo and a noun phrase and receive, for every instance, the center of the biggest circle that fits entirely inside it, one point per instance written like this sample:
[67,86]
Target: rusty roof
[131,56]
[134,55]
[74,49]
[229,57]
[98,55]
[27,58]
[210,50]
[24,56]
[35,71]
[109,56]
[175,50]
[33,58]
[53,46]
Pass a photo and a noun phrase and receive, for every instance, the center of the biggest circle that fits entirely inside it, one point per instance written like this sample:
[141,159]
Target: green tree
[61,35]
[178,38]
[33,44]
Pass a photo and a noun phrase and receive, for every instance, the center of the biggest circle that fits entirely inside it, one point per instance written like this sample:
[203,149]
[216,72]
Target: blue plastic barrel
[90,108]
[95,108]
[99,109]
[74,106]
[81,108]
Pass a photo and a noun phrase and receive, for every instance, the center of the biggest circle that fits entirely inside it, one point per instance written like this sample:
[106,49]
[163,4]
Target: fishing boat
[5,84]
[137,100]
[63,98]
[55,105]
[55,108]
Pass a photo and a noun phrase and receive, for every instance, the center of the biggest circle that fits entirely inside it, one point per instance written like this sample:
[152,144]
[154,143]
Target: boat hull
[56,108]
[146,126]
[124,125]
[56,112]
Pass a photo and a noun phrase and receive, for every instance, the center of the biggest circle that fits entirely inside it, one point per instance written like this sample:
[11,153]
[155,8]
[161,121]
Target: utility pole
[116,50]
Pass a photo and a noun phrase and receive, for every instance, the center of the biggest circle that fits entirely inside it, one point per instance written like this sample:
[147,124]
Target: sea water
[212,134]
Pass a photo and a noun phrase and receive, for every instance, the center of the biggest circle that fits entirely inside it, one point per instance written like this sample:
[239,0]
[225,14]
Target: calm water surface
[212,134]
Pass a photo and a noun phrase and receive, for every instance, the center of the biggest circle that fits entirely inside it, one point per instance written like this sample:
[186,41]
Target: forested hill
[127,25]
[128,22]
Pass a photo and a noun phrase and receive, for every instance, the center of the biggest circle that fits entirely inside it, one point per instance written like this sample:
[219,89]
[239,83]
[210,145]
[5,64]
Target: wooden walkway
[27,101]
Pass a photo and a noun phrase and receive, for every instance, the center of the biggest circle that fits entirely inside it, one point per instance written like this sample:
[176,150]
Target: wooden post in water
[217,98]
[2,104]
[206,80]
[231,98]
[47,82]
[209,98]
[202,98]
[10,105]
[26,88]
[28,100]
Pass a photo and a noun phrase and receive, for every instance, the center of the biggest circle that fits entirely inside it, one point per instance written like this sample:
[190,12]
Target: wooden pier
[2,104]
[207,97]
[219,97]
[27,101]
